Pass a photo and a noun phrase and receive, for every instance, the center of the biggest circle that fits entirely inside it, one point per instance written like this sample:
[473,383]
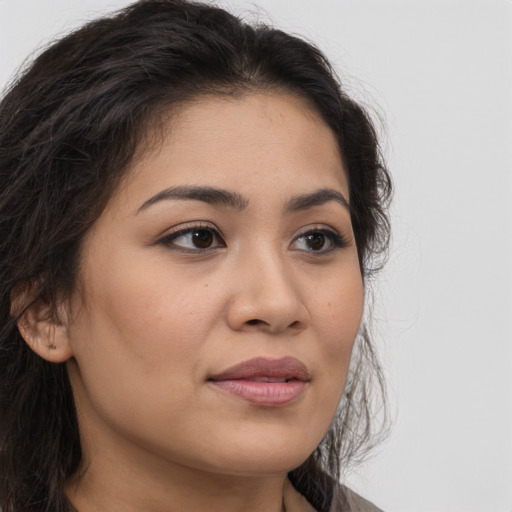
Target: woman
[190,211]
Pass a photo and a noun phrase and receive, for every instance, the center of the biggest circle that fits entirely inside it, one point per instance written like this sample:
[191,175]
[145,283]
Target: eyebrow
[210,195]
[317,198]
[218,196]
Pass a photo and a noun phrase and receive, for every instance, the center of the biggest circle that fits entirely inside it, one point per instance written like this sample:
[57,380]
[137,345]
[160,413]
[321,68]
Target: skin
[154,317]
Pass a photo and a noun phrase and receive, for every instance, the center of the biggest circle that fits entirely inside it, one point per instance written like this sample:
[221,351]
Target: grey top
[358,503]
[347,500]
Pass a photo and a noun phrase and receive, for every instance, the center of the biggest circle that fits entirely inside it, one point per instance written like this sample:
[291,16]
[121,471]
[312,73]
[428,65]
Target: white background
[441,75]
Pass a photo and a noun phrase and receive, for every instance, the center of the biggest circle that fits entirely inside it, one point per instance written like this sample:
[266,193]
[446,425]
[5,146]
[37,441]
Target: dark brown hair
[69,127]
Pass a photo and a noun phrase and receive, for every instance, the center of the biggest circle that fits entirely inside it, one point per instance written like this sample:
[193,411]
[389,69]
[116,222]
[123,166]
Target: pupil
[316,241]
[202,238]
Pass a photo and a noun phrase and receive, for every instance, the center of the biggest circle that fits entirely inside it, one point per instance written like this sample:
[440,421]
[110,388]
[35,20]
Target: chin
[263,456]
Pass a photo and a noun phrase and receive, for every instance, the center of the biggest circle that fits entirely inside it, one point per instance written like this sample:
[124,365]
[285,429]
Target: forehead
[243,142]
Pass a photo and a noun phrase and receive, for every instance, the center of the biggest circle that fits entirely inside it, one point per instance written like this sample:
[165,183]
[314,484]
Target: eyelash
[169,239]
[336,240]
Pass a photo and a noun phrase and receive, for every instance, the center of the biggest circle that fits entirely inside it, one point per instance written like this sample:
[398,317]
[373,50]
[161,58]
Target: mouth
[264,382]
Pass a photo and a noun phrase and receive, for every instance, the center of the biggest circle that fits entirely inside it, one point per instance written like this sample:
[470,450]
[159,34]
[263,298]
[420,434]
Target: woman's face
[219,294]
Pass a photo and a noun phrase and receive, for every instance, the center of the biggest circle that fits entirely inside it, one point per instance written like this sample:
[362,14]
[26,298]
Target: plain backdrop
[439,75]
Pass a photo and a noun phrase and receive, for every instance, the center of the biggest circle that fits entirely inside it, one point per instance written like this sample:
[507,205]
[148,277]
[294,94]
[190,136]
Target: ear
[44,331]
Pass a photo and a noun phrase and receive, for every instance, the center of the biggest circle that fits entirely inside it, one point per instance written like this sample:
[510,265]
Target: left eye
[194,239]
[318,241]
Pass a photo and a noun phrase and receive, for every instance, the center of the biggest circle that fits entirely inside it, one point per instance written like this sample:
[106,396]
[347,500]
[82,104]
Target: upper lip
[283,368]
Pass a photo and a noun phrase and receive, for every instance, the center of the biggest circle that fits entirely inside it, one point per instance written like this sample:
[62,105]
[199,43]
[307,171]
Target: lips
[264,382]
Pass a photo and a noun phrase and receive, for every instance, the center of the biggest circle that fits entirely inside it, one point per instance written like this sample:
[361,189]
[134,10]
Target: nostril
[262,323]
[256,321]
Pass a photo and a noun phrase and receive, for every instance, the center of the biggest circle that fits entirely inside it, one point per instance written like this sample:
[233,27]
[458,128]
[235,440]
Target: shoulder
[326,495]
[354,503]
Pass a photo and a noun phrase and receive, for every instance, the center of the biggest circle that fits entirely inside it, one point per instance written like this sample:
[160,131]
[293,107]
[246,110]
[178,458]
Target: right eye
[193,239]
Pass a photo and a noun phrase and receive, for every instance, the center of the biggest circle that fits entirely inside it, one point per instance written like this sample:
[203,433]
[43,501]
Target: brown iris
[315,241]
[202,238]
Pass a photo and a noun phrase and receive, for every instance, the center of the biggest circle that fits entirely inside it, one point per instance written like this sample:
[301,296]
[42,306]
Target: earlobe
[43,331]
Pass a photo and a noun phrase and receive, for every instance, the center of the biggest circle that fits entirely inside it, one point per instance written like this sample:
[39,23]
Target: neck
[111,484]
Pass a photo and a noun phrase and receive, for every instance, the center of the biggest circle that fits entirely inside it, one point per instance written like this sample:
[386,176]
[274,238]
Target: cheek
[338,312]
[339,307]
[343,316]
[149,313]
[139,335]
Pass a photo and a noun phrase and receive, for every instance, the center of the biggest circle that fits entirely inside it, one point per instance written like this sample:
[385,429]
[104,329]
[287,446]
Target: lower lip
[268,394]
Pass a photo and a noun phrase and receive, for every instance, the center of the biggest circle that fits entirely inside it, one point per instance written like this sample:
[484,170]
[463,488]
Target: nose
[267,297]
